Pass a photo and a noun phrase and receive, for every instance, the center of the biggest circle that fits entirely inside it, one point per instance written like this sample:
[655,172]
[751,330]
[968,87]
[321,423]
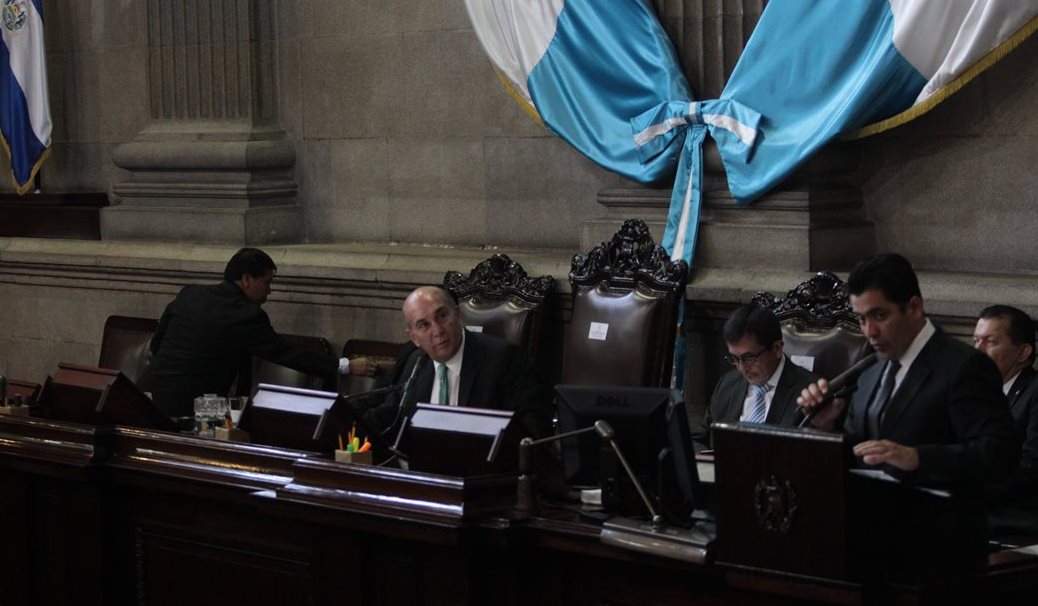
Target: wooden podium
[788,501]
[92,395]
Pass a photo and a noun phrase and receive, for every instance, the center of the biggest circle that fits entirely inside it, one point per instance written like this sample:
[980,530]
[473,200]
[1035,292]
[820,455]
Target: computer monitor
[652,432]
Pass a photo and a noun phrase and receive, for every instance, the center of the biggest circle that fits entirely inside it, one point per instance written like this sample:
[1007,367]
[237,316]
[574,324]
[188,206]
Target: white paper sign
[598,331]
[474,328]
[805,362]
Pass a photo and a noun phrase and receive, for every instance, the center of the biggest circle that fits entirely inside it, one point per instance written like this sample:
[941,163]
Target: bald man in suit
[456,367]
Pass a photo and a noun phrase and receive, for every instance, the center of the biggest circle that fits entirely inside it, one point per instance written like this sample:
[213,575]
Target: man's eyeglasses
[746,358]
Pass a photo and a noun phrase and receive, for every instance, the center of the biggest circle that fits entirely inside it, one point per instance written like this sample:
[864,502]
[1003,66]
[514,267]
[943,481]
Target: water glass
[210,411]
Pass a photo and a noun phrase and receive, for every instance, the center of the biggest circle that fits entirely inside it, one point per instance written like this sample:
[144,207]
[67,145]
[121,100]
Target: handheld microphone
[841,386]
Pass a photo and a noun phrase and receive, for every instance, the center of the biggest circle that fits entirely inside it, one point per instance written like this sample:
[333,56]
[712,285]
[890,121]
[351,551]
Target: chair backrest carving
[502,300]
[125,345]
[625,299]
[818,326]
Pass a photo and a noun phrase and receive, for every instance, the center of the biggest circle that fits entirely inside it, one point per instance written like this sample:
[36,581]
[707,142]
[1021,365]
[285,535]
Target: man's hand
[810,400]
[874,452]
[363,367]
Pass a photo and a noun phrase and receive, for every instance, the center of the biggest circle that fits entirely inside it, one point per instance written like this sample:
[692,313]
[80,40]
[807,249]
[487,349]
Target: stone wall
[401,133]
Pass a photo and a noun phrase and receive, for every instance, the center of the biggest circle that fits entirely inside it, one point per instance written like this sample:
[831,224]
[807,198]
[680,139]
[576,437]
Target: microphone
[526,493]
[841,386]
[406,389]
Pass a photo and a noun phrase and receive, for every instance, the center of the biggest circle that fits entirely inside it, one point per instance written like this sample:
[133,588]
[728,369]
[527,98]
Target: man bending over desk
[209,333]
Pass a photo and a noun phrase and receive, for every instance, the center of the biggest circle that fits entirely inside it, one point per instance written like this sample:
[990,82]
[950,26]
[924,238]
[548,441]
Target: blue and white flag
[598,74]
[604,77]
[24,105]
[817,70]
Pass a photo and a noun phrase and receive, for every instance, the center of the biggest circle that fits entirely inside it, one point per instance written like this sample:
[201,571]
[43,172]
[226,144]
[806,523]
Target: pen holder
[231,435]
[360,458]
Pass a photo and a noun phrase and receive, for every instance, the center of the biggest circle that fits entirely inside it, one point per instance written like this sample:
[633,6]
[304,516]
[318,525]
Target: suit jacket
[495,374]
[206,338]
[1021,490]
[950,407]
[727,402]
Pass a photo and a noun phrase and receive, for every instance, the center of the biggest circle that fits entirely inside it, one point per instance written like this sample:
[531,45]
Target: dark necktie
[874,414]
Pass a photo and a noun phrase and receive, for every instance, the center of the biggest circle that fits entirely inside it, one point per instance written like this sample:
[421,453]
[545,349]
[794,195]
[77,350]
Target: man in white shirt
[764,383]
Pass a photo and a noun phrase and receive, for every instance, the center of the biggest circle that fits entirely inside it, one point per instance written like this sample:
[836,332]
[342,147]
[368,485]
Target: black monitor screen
[652,432]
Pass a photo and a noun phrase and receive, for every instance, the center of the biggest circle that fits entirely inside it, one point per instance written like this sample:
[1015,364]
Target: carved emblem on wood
[775,503]
[820,302]
[631,257]
[498,279]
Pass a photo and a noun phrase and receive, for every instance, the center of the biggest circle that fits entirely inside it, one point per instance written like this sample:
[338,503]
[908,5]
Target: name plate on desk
[457,440]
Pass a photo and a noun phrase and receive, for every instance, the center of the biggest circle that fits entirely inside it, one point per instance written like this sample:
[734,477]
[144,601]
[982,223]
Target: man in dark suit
[929,412]
[456,367]
[207,336]
[1006,335]
[764,385]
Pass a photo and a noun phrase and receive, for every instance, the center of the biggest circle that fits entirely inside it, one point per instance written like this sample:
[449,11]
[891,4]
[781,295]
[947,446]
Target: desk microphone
[841,386]
[405,390]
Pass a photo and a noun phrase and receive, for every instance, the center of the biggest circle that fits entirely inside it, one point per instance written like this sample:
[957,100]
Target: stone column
[814,221]
[213,165]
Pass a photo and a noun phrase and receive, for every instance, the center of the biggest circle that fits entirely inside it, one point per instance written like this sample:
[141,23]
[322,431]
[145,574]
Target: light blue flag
[819,69]
[24,107]
[604,77]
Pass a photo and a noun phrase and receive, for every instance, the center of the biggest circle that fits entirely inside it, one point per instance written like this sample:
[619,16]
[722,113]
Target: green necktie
[445,391]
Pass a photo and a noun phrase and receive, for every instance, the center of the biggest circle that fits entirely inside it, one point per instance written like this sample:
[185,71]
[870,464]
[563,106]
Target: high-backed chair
[125,345]
[500,299]
[276,374]
[820,331]
[625,301]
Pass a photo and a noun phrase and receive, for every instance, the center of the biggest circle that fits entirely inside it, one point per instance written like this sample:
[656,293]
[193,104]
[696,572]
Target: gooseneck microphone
[406,389]
[841,386]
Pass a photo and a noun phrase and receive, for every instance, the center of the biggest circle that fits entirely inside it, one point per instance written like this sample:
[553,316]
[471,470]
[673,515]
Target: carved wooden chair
[276,374]
[820,331]
[125,345]
[499,298]
[625,303]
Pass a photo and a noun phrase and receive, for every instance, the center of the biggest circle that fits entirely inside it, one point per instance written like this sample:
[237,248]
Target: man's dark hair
[890,274]
[252,261]
[1021,326]
[753,320]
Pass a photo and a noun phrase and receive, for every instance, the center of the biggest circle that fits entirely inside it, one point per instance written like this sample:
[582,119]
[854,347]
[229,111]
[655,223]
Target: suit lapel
[1019,385]
[780,401]
[736,399]
[469,368]
[917,374]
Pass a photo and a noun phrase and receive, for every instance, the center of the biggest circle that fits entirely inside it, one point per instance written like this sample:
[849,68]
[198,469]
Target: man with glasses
[764,385]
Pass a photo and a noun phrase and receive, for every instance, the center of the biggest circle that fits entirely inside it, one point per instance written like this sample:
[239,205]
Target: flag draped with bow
[603,76]
[24,106]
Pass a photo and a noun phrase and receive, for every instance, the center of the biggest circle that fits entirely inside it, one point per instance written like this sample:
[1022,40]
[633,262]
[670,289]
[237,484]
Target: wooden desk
[130,516]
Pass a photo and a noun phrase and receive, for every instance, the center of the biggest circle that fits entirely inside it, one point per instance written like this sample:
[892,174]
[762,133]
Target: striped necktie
[760,404]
